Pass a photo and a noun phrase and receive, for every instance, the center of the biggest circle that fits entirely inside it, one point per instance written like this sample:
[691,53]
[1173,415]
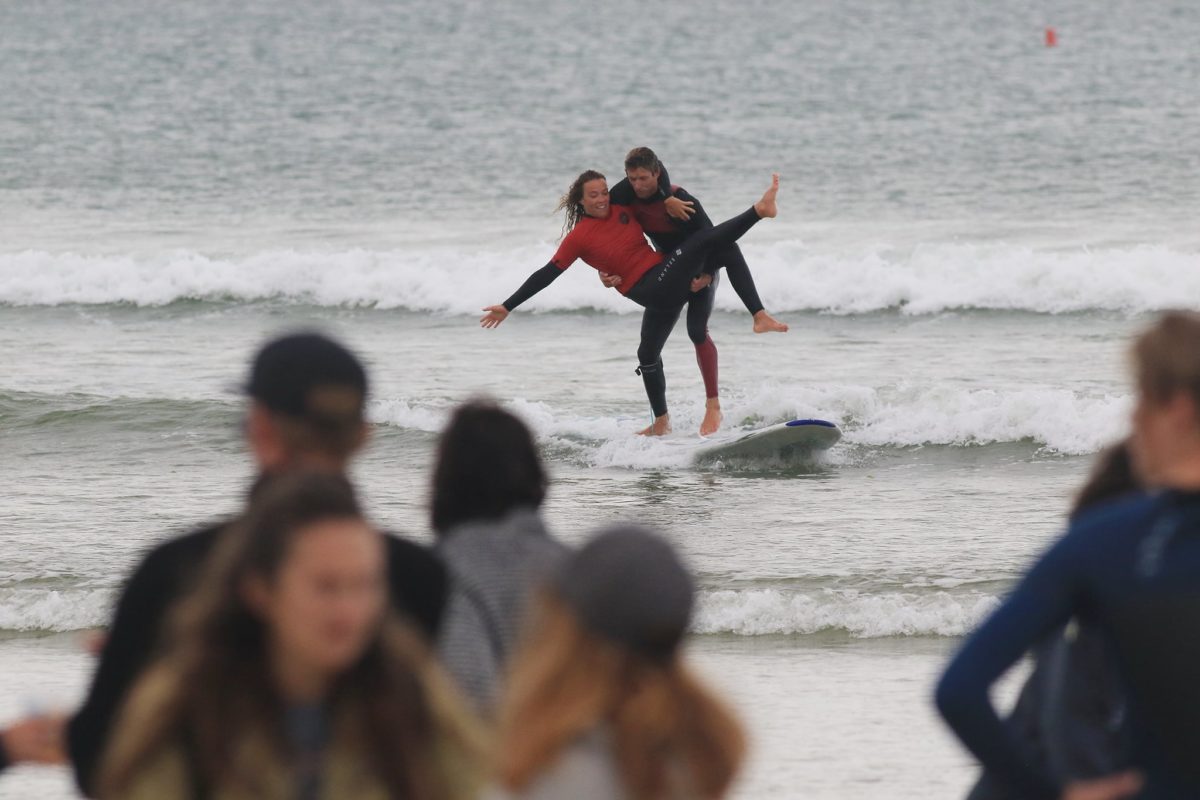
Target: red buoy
[1051,37]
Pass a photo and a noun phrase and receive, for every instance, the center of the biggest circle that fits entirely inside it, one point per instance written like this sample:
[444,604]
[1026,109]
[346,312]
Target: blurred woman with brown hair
[600,704]
[287,679]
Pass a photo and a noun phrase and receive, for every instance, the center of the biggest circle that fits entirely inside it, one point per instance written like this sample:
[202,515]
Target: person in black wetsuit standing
[669,215]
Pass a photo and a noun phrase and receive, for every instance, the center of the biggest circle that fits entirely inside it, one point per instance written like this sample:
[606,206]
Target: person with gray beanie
[600,704]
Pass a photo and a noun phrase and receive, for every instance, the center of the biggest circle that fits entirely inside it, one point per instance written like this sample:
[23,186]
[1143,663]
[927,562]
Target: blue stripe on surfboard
[821,422]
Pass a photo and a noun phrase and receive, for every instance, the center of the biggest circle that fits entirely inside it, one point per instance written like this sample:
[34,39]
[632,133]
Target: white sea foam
[747,612]
[53,610]
[791,277]
[763,612]
[1058,420]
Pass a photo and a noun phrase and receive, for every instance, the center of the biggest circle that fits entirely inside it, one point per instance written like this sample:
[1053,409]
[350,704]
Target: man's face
[644,182]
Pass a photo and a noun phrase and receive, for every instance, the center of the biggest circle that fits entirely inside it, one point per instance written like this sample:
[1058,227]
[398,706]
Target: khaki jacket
[345,775]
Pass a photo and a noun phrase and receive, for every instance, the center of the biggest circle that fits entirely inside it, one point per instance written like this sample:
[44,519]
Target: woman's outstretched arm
[532,285]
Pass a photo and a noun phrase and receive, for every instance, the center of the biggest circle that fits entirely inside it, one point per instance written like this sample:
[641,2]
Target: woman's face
[595,198]
[327,599]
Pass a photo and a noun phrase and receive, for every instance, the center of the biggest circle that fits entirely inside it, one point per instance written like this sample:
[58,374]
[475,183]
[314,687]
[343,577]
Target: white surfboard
[792,439]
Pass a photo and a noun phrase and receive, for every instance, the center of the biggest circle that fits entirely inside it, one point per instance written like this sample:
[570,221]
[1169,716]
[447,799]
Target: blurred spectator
[600,705]
[287,678]
[488,484]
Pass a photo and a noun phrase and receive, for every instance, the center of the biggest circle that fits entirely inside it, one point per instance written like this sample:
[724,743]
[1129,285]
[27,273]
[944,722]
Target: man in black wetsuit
[307,397]
[670,215]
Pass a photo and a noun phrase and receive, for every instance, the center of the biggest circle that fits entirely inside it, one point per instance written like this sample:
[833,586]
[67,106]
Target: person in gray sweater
[488,484]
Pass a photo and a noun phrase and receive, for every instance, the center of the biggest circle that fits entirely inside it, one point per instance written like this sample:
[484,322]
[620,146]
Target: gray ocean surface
[972,225]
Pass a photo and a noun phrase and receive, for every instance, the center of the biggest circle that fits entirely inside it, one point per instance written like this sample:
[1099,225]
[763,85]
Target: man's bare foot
[660,427]
[712,417]
[765,323]
[766,207]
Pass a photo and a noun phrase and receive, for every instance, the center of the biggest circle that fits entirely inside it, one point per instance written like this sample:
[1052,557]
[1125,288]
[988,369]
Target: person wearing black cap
[600,705]
[307,397]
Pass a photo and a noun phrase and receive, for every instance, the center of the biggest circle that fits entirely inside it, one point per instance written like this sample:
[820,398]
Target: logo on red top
[624,218]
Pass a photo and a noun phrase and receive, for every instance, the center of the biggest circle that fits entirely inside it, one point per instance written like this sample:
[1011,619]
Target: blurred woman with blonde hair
[600,704]
[288,680]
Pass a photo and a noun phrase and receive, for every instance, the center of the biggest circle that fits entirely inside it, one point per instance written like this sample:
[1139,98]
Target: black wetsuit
[667,234]
[670,236]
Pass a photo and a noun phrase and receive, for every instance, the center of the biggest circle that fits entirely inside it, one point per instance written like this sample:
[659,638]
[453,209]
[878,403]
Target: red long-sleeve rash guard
[615,245]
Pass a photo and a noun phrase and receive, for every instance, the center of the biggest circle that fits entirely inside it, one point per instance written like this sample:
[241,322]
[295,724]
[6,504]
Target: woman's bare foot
[765,323]
[766,207]
[712,417]
[660,427]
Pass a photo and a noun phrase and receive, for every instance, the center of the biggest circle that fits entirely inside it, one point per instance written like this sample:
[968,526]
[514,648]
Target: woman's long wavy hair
[214,688]
[666,727]
[572,201]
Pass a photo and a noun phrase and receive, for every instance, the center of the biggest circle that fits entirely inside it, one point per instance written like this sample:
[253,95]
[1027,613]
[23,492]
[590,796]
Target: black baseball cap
[628,585]
[309,375]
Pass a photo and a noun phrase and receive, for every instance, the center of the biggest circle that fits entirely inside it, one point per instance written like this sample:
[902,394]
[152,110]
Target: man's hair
[642,158]
[1166,358]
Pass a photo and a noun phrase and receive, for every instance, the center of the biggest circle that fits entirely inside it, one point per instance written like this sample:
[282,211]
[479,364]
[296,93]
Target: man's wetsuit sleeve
[534,284]
[622,194]
[698,221]
[132,641]
[1044,600]
[3,758]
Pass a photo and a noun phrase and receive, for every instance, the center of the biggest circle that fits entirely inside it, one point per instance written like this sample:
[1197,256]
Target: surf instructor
[609,239]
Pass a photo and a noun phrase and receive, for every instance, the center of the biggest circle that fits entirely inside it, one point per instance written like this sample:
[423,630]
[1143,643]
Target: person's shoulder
[411,554]
[1123,516]
[186,549]
[164,773]
[586,770]
[621,192]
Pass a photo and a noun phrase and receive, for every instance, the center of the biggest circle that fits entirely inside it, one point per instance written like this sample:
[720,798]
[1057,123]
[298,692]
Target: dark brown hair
[1112,476]
[572,201]
[667,727]
[487,465]
[213,687]
[642,158]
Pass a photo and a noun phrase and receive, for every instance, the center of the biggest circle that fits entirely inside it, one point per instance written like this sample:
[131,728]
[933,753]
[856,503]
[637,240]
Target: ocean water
[972,226]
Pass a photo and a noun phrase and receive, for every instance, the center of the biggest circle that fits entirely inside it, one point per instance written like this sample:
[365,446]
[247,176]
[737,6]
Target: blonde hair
[665,724]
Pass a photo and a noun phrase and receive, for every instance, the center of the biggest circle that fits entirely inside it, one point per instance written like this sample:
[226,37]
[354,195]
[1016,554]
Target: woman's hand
[609,280]
[495,315]
[679,209]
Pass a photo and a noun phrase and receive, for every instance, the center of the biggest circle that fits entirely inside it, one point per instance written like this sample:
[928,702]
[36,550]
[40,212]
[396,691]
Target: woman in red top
[609,239]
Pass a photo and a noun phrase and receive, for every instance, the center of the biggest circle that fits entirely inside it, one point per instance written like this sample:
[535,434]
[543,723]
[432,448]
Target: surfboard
[793,439]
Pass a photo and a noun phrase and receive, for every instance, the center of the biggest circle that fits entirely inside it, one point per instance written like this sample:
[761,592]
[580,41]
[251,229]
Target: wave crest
[923,280]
